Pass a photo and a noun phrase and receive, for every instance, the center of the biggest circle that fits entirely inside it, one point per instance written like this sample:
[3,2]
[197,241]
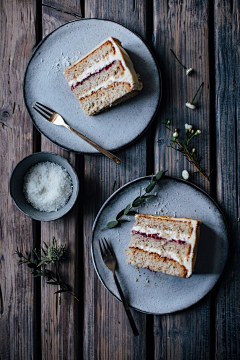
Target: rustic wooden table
[205,35]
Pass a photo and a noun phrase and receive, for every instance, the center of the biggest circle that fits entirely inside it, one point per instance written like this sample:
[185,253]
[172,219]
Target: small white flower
[189,71]
[185,174]
[193,150]
[175,135]
[188,127]
[190,106]
[198,132]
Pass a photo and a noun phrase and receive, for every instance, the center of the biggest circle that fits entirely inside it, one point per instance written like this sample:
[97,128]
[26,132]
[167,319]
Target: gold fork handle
[96,146]
[126,307]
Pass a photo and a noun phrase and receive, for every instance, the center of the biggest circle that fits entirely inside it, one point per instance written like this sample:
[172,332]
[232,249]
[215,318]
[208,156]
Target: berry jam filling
[158,237]
[92,74]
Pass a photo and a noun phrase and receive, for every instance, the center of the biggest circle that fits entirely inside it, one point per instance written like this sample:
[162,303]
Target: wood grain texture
[61,333]
[227,99]
[107,334]
[17,305]
[183,27]
[72,7]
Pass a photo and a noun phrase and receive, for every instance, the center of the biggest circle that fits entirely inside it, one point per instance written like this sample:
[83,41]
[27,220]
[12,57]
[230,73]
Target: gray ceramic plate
[163,293]
[44,82]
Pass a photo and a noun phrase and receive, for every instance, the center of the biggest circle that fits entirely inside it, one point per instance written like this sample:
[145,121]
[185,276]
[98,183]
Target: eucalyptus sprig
[184,146]
[136,202]
[37,262]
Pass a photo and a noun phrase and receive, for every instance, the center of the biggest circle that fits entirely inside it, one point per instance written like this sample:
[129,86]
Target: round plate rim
[48,153]
[171,178]
[159,76]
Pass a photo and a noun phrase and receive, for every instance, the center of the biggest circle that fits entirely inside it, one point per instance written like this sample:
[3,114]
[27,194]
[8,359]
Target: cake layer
[155,262]
[106,97]
[103,52]
[102,78]
[172,250]
[165,227]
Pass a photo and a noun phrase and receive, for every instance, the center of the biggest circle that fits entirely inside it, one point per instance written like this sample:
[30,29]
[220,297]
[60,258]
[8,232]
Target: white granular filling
[47,186]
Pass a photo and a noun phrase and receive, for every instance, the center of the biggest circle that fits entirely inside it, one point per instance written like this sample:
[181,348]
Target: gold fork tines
[56,119]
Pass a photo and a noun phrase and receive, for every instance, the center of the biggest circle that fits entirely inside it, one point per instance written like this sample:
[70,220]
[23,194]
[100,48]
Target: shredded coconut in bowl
[47,186]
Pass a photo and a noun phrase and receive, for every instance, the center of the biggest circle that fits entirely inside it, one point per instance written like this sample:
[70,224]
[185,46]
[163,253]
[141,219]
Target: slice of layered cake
[164,244]
[104,77]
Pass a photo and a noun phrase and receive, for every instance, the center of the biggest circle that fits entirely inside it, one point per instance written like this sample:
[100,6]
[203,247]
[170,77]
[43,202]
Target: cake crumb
[136,279]
[147,281]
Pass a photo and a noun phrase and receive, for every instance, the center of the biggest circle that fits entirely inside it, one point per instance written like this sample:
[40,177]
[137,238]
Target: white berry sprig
[188,70]
[191,105]
[184,147]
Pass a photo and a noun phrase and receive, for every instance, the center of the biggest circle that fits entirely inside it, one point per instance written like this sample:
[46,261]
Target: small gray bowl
[16,185]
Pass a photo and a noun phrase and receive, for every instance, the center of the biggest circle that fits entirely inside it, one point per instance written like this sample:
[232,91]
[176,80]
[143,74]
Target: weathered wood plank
[107,334]
[17,303]
[61,333]
[73,7]
[183,27]
[227,98]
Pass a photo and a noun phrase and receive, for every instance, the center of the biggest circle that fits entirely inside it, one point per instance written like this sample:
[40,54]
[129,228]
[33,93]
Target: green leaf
[42,262]
[31,265]
[147,196]
[124,220]
[45,244]
[138,201]
[112,224]
[121,213]
[150,187]
[132,212]
[65,286]
[43,251]
[54,242]
[38,275]
[127,208]
[60,291]
[51,283]
[159,175]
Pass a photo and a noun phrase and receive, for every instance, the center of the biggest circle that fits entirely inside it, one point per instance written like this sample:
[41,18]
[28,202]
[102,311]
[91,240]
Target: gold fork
[57,119]
[109,259]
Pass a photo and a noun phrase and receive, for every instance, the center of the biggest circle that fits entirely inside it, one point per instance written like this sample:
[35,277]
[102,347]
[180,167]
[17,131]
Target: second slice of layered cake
[164,244]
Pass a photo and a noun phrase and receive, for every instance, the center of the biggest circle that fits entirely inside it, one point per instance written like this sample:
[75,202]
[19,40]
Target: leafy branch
[37,262]
[136,202]
[184,146]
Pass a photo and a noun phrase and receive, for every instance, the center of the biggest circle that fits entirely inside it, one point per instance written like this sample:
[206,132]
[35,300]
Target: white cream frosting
[128,76]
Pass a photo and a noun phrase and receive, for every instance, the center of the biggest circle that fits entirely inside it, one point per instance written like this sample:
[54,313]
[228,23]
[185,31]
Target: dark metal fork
[110,261]
[56,119]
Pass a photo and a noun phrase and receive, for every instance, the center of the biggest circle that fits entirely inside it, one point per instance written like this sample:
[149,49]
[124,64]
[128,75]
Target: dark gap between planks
[36,225]
[150,345]
[213,180]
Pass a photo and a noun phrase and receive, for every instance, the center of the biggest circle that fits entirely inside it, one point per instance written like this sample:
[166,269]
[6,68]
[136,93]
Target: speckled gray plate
[163,293]
[44,82]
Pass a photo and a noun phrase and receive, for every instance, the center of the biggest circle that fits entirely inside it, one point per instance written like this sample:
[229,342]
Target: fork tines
[107,248]
[43,110]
